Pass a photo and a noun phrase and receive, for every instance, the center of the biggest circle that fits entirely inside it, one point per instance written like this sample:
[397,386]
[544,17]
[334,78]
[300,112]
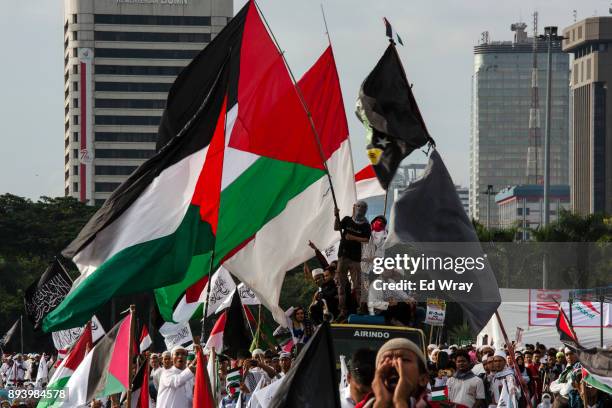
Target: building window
[75,102]
[75,119]
[75,154]
[106,187]
[132,87]
[75,170]
[124,153]
[136,70]
[114,170]
[580,33]
[151,37]
[75,187]
[75,86]
[588,69]
[75,52]
[75,136]
[125,137]
[127,120]
[139,53]
[75,69]
[74,36]
[74,19]
[151,20]
[131,103]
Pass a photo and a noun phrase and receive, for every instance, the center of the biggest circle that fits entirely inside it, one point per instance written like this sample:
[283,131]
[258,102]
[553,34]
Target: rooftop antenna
[533,151]
[575,15]
[484,37]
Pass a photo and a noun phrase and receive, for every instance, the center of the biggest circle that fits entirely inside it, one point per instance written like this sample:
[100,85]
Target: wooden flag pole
[128,401]
[512,360]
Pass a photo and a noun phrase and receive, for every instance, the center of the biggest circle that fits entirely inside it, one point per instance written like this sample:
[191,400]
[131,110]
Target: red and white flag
[216,334]
[145,339]
[367,184]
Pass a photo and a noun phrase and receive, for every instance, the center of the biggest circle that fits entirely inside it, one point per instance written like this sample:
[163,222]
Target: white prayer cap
[166,353]
[177,348]
[257,352]
[317,272]
[431,347]
[500,353]
[567,350]
[285,354]
[485,358]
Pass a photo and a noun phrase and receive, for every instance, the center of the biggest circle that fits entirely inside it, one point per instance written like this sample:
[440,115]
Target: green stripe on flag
[56,386]
[258,195]
[139,268]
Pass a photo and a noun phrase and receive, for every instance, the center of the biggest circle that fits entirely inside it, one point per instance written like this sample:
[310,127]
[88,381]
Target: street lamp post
[550,35]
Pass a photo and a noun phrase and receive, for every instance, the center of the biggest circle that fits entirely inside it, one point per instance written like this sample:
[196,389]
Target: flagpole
[304,106]
[131,356]
[512,359]
[207,298]
[385,209]
[21,329]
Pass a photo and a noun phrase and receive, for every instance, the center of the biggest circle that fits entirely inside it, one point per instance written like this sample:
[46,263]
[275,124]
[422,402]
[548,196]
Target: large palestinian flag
[275,195]
[238,170]
[104,370]
[67,367]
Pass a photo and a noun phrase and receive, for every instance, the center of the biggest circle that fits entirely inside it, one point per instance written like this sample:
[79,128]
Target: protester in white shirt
[465,387]
[176,382]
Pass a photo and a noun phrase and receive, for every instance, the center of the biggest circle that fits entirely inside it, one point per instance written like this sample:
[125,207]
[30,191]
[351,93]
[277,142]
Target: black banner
[46,293]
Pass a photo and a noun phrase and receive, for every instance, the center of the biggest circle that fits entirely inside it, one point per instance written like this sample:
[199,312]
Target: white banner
[221,292]
[176,334]
[64,339]
[247,296]
[543,309]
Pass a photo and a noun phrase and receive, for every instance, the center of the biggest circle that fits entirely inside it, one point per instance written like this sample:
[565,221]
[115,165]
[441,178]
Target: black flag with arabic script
[42,296]
[388,110]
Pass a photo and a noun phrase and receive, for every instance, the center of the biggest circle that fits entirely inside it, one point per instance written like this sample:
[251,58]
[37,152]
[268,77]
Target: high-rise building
[590,42]
[120,59]
[464,197]
[502,142]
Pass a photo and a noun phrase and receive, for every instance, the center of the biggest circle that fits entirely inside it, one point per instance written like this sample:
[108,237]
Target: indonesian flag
[145,339]
[216,335]
[367,184]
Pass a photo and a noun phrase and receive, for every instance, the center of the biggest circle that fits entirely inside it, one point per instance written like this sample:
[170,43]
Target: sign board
[348,338]
[543,309]
[436,312]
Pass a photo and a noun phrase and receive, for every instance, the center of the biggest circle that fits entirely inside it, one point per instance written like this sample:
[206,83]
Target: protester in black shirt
[354,231]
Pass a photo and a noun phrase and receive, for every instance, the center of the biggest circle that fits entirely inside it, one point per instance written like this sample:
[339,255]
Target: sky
[437,55]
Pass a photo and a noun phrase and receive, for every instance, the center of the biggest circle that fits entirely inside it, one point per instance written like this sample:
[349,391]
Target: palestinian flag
[145,340]
[439,393]
[367,184]
[68,366]
[238,164]
[105,370]
[565,330]
[596,367]
[140,387]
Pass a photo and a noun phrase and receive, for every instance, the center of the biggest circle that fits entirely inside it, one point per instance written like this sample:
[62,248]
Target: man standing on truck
[354,231]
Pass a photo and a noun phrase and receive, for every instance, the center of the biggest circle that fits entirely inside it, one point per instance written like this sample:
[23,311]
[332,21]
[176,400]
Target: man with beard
[505,387]
[354,231]
[401,377]
[176,382]
[465,387]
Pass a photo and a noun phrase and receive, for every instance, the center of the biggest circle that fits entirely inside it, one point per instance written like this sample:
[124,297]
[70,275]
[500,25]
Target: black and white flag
[44,295]
[8,336]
